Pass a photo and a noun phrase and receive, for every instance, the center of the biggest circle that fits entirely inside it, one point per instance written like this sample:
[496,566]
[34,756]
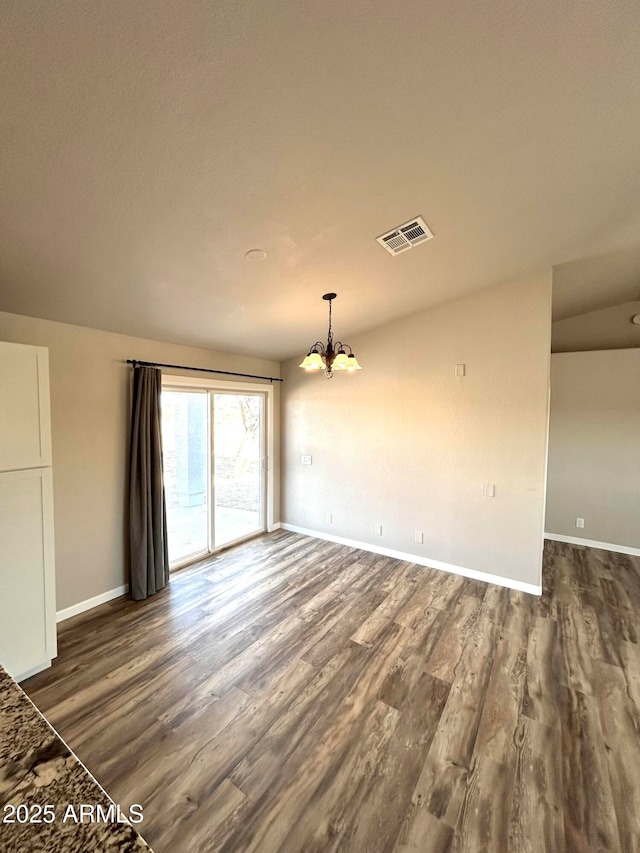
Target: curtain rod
[135,361]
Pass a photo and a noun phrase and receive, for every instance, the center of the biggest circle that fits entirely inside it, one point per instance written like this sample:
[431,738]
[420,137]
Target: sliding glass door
[238,465]
[214,466]
[187,481]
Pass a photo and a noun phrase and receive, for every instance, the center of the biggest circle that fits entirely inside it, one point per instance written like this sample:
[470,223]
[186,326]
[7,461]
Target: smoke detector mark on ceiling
[255,255]
[405,236]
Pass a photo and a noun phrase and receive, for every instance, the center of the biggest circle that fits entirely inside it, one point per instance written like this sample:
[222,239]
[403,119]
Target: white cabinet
[25,422]
[27,594]
[27,574]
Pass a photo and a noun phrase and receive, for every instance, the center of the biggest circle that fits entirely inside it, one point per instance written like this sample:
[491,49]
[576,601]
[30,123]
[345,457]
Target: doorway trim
[170,381]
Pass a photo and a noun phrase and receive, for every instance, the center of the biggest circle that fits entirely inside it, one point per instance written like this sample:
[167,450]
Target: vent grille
[405,236]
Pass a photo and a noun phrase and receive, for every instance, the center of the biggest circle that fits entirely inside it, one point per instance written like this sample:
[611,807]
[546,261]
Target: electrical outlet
[305,460]
[579,522]
[378,530]
[328,518]
[419,537]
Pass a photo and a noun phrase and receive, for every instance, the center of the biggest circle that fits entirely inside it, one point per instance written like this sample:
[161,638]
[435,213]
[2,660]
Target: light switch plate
[306,460]
[489,490]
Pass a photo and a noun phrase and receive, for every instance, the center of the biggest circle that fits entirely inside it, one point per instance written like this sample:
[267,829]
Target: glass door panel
[186,454]
[238,473]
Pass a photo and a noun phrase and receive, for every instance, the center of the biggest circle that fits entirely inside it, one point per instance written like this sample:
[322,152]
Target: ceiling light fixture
[331,356]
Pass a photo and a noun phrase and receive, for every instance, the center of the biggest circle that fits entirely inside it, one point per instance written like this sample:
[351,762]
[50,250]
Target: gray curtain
[147,508]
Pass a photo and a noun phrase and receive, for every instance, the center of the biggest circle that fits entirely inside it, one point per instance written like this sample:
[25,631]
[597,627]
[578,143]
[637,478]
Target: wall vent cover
[405,236]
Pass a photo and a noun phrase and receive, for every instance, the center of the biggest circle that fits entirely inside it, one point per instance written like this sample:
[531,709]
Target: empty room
[319,427]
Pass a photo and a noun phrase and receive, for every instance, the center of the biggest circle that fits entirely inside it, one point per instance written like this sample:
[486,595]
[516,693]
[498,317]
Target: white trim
[591,543]
[275,526]
[49,561]
[532,589]
[545,481]
[81,606]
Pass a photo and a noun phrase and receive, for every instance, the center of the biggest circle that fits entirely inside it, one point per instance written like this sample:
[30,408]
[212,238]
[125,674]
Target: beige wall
[90,425]
[606,328]
[405,444]
[594,446]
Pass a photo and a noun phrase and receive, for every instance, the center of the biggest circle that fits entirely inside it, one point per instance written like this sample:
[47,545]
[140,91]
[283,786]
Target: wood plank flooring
[298,695]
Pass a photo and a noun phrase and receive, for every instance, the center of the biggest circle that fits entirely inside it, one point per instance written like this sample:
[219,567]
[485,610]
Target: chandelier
[331,356]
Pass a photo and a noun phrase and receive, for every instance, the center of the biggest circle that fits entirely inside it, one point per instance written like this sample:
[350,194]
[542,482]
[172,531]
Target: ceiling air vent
[405,236]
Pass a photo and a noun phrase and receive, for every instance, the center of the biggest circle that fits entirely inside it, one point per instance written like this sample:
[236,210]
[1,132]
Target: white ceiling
[147,146]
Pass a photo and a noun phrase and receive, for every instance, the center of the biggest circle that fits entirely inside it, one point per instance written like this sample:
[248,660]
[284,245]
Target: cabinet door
[27,595]
[25,420]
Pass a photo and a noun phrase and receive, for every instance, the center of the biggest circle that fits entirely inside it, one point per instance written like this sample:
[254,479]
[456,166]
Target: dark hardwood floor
[298,695]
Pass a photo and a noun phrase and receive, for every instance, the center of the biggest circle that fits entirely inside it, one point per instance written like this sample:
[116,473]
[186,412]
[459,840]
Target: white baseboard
[591,543]
[81,606]
[532,589]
